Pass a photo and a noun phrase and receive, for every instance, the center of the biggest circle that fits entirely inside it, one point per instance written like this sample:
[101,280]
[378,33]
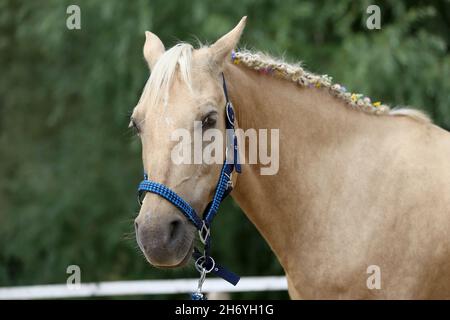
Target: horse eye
[209,120]
[133,125]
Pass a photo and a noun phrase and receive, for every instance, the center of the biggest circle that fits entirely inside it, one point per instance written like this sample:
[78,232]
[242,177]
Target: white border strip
[123,288]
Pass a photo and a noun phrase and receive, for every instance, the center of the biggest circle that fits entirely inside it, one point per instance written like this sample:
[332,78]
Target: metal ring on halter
[200,265]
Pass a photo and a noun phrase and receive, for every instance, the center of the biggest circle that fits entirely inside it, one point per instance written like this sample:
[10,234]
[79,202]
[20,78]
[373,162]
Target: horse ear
[222,48]
[153,49]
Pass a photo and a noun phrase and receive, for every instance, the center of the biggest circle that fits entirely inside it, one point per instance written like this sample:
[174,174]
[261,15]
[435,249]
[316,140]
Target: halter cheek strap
[203,261]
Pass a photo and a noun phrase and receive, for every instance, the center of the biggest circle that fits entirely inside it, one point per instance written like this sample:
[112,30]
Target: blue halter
[204,263]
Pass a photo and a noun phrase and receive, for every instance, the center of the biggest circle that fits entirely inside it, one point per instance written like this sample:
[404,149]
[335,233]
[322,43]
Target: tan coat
[353,190]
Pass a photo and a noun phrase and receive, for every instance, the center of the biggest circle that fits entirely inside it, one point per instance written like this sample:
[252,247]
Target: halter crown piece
[204,263]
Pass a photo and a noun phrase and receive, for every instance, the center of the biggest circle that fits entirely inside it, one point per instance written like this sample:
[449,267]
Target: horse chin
[182,263]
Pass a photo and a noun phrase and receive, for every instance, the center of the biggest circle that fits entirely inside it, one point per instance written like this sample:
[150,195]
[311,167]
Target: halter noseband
[204,263]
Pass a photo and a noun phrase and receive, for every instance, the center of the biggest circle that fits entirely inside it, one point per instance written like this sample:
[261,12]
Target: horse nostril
[136,226]
[175,228]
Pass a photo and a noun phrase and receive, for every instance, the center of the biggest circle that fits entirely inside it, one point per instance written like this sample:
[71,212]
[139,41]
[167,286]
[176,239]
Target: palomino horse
[359,185]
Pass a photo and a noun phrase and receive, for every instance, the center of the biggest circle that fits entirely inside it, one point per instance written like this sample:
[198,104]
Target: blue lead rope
[203,261]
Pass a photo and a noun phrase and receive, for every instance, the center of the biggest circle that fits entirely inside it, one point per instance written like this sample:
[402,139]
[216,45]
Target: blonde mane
[295,73]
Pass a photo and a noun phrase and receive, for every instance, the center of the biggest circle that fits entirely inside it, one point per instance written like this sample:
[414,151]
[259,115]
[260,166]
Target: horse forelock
[176,59]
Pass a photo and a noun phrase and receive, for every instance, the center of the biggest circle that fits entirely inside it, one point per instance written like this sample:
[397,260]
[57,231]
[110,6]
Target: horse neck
[313,127]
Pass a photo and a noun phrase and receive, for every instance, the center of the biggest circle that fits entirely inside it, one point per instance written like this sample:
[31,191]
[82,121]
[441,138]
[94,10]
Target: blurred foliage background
[68,164]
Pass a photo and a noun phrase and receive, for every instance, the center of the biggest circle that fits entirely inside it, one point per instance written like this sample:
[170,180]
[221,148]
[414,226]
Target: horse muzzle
[165,240]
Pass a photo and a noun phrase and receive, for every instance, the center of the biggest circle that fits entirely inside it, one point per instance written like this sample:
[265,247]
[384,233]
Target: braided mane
[295,73]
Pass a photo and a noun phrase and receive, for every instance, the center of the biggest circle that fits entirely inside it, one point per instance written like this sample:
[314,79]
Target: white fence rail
[146,287]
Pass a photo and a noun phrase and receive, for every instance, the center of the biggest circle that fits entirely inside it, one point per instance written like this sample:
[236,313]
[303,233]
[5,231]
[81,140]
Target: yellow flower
[377,104]
[354,97]
[318,84]
[236,61]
